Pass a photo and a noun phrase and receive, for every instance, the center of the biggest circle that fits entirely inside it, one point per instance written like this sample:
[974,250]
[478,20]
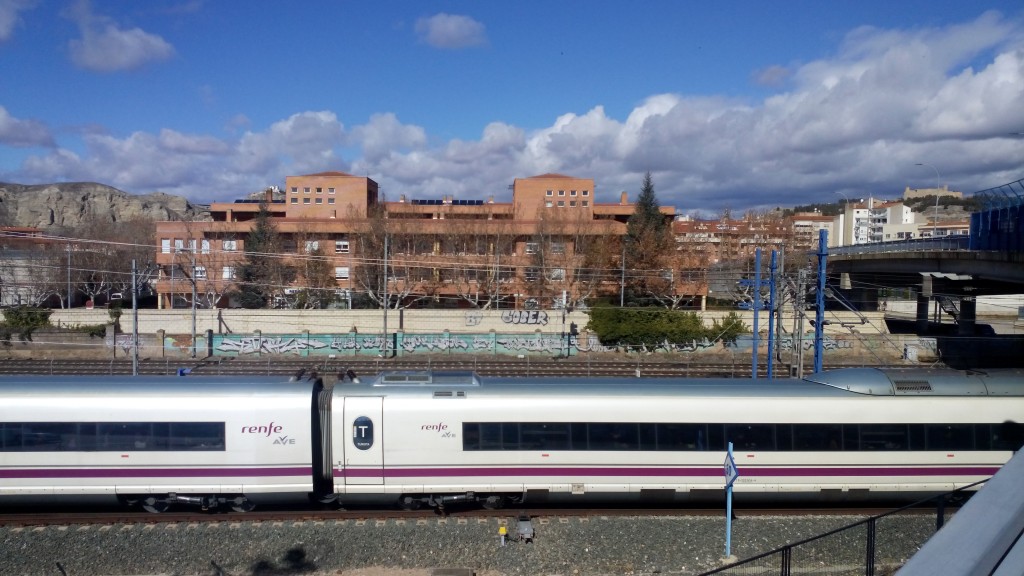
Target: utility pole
[193,252]
[622,282]
[135,323]
[384,352]
[819,323]
[799,304]
[69,274]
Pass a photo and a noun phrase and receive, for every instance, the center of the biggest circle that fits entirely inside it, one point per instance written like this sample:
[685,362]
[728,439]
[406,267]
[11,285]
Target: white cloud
[9,15]
[105,47]
[23,133]
[451,31]
[855,122]
[385,135]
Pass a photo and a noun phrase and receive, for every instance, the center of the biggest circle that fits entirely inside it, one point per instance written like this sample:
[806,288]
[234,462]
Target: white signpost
[731,474]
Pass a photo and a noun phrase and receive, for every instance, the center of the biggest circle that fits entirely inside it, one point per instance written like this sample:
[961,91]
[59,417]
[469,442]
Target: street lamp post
[935,223]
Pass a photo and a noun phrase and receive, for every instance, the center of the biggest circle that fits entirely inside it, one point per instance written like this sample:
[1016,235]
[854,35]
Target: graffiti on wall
[534,317]
[535,343]
[827,343]
[269,345]
[126,342]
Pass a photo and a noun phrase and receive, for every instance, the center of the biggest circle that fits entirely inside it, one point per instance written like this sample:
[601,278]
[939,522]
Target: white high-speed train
[422,438]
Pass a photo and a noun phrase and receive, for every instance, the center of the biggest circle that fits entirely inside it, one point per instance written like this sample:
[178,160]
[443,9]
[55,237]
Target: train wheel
[155,505]
[494,502]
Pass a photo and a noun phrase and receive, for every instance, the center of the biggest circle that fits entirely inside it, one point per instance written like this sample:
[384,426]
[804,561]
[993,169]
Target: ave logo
[283,440]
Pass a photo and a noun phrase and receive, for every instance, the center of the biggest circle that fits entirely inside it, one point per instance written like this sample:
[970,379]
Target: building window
[561,192]
[548,204]
[228,273]
[550,193]
[200,273]
[572,193]
[229,245]
[305,190]
[558,247]
[586,203]
[312,246]
[179,245]
[330,190]
[295,200]
[295,189]
[341,247]
[341,272]
[572,203]
[586,192]
[165,245]
[557,274]
[204,246]
[532,274]
[561,203]
[330,200]
[305,200]
[532,247]
[319,200]
[319,190]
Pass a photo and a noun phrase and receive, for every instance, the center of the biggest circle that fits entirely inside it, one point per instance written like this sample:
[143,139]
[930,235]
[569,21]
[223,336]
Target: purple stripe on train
[636,472]
[262,472]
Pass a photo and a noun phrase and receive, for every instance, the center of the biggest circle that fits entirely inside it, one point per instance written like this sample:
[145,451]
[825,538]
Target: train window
[949,436]
[200,436]
[677,437]
[613,436]
[543,436]
[817,437]
[884,437]
[1007,436]
[751,436]
[110,436]
[470,436]
[623,436]
[122,436]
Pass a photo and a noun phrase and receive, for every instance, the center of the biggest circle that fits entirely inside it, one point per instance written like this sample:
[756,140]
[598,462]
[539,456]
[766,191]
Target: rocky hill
[53,207]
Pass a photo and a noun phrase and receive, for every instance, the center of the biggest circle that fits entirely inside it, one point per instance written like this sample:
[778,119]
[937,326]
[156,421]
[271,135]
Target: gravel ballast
[563,546]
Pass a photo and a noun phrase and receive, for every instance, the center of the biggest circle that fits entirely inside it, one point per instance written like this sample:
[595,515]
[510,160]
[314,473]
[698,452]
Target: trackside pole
[819,321]
[757,310]
[731,473]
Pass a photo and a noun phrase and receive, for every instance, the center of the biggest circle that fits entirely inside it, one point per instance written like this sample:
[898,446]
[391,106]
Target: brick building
[552,245]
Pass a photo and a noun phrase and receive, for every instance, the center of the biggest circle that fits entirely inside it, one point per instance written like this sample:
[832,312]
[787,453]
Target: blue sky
[730,105]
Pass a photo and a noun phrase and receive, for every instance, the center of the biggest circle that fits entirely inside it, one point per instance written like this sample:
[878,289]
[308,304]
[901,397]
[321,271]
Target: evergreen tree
[648,242]
[646,220]
[262,274]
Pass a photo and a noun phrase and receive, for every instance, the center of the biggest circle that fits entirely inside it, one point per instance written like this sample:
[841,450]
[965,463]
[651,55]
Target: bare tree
[103,253]
[481,247]
[316,286]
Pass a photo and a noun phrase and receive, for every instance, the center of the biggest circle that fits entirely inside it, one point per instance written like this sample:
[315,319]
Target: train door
[364,449]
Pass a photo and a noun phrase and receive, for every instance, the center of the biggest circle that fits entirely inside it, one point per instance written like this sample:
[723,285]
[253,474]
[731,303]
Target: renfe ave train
[423,438]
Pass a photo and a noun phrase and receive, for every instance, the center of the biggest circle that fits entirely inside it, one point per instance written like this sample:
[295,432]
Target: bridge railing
[943,244]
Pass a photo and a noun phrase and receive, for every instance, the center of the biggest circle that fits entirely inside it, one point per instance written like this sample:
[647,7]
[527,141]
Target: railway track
[88,517]
[289,366]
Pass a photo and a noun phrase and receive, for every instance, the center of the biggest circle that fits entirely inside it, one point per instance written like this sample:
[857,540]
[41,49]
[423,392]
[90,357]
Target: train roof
[833,383]
[156,386]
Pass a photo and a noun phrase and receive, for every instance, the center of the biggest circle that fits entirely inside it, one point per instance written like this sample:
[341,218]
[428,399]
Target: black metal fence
[876,546]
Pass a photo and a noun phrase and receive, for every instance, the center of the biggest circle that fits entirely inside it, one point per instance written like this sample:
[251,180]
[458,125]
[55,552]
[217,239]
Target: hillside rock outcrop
[52,207]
